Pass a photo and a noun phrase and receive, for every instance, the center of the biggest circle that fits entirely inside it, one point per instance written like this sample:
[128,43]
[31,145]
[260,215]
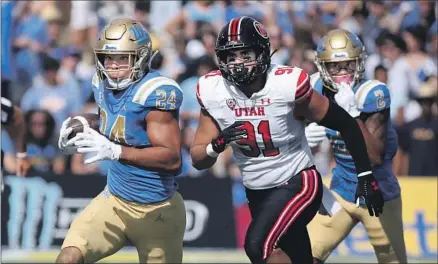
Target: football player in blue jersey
[140,138]
[340,58]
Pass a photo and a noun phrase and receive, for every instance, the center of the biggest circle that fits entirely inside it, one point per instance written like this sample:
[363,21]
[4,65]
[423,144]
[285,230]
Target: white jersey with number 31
[276,148]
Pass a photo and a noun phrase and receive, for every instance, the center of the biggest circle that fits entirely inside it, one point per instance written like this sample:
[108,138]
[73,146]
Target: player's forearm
[154,158]
[200,159]
[338,119]
[375,147]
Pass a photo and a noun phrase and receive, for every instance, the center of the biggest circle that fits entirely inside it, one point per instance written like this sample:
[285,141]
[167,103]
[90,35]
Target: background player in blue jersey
[340,58]
[140,135]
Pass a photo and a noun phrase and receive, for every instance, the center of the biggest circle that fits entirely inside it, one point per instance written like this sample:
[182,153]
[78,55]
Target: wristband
[365,173]
[21,155]
[210,151]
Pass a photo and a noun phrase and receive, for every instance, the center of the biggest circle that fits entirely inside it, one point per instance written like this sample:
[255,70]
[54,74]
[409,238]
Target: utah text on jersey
[275,148]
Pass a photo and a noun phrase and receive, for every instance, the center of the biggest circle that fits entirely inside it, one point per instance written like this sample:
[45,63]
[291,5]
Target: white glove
[92,141]
[65,145]
[315,134]
[346,99]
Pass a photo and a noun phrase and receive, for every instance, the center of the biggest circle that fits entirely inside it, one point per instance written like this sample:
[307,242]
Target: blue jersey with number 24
[122,120]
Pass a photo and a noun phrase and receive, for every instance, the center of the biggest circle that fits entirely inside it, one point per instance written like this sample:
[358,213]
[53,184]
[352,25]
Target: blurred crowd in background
[48,63]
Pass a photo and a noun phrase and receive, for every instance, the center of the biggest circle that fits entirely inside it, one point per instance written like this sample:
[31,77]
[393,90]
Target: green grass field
[190,256]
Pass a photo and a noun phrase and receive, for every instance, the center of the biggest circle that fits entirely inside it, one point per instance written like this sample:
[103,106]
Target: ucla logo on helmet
[111,47]
[140,34]
[261,30]
[339,55]
[355,39]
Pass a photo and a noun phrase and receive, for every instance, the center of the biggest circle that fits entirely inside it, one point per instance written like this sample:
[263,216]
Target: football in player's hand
[80,121]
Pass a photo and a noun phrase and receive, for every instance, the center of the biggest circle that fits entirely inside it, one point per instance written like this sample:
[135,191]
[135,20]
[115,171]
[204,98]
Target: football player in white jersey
[258,109]
[340,58]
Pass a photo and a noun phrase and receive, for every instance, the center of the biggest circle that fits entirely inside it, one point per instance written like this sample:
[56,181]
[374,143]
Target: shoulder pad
[206,88]
[95,81]
[373,96]
[290,80]
[160,92]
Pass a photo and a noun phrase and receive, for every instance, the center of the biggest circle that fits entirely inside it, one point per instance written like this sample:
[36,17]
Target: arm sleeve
[338,119]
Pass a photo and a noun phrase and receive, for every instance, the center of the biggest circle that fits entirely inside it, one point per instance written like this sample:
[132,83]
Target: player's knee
[254,250]
[70,255]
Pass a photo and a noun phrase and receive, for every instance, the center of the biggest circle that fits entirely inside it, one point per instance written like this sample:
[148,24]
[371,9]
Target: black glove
[232,133]
[368,190]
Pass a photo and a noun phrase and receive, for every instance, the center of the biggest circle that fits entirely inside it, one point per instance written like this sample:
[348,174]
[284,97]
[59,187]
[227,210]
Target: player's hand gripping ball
[72,126]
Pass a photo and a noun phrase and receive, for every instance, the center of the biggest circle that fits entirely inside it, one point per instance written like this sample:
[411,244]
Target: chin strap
[152,58]
[272,54]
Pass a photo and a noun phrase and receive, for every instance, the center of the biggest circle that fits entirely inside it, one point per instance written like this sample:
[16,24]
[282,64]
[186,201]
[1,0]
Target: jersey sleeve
[316,82]
[7,111]
[159,93]
[374,99]
[304,89]
[95,84]
[198,96]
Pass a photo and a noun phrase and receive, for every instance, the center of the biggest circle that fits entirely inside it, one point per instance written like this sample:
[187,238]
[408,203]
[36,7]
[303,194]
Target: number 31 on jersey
[250,142]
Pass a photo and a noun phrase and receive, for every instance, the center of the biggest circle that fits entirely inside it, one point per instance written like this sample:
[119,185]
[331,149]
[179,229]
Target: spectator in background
[326,11]
[84,25]
[240,8]
[70,58]
[53,94]
[393,52]
[207,34]
[209,11]
[417,13]
[112,9]
[189,111]
[420,135]
[31,38]
[282,52]
[40,142]
[142,10]
[377,58]
[351,16]
[53,17]
[156,9]
[419,67]
[420,64]
[374,24]
[381,73]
